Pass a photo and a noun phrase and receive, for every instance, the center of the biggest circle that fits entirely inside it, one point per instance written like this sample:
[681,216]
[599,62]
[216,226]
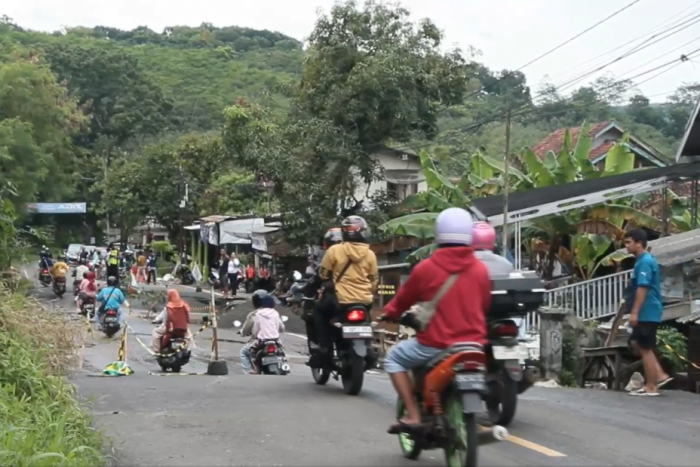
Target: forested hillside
[127,119]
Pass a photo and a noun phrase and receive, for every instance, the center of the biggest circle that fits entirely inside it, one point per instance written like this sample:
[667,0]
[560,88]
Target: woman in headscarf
[87,288]
[175,315]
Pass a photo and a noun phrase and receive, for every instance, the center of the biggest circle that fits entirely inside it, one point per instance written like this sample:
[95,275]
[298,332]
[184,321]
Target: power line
[650,31]
[695,19]
[629,5]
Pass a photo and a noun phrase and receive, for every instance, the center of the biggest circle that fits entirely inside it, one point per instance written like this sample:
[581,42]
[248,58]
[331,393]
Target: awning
[192,227]
[689,149]
[555,199]
[675,249]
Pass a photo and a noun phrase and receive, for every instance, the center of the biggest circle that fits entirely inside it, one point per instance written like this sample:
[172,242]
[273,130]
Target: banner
[57,208]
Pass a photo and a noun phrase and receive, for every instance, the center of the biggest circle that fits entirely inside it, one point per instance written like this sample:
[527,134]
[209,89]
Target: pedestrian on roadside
[233,274]
[223,271]
[646,311]
[151,267]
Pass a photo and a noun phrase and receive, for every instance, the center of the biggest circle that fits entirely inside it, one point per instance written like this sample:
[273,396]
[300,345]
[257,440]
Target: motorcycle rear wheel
[353,375]
[502,409]
[464,452]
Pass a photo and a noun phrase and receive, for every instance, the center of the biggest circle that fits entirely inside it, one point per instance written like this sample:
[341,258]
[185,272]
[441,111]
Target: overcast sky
[509,33]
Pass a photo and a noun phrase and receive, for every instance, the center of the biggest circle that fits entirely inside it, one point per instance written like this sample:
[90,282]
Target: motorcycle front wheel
[502,406]
[321,375]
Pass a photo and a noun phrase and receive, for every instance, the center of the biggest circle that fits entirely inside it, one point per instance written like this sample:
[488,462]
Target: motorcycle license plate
[470,382]
[110,319]
[518,352]
[357,332]
[271,360]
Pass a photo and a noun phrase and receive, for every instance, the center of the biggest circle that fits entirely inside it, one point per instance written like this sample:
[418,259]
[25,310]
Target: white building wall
[396,170]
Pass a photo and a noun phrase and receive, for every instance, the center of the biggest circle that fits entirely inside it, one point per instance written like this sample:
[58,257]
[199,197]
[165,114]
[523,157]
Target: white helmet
[297,276]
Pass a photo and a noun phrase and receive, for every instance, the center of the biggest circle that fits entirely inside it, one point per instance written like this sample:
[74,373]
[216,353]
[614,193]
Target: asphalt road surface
[237,420]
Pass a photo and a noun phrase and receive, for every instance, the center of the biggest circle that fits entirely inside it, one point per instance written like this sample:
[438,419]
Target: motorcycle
[76,284]
[110,323]
[87,307]
[184,273]
[449,390]
[174,352]
[270,356]
[507,374]
[353,353]
[59,286]
[45,277]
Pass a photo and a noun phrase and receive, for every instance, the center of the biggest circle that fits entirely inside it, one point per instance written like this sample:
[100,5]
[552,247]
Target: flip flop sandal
[644,394]
[663,383]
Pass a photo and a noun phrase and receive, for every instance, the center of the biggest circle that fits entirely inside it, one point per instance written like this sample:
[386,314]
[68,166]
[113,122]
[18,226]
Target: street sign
[57,208]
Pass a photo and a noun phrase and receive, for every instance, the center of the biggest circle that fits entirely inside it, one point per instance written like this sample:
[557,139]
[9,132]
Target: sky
[507,33]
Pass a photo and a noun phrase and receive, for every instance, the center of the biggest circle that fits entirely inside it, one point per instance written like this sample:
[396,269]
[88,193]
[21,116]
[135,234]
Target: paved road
[241,420]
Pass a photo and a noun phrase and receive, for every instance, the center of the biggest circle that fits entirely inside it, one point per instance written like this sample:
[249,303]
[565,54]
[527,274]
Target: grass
[42,422]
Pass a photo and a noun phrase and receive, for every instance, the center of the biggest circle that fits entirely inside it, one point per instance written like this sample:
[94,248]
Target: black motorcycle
[110,323]
[271,359]
[174,353]
[59,286]
[353,354]
[507,376]
[184,273]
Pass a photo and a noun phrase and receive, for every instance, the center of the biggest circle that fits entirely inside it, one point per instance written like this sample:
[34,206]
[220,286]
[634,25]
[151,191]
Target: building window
[402,190]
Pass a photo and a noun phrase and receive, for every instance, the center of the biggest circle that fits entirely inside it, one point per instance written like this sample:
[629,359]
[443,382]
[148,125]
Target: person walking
[646,311]
[223,271]
[233,274]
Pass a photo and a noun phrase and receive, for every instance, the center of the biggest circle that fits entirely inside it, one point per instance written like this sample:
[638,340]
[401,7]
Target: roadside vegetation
[42,421]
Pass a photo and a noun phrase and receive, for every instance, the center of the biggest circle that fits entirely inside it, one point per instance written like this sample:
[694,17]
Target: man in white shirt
[234,267]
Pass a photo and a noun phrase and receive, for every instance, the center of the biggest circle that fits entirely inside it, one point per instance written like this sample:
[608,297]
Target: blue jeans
[246,358]
[407,355]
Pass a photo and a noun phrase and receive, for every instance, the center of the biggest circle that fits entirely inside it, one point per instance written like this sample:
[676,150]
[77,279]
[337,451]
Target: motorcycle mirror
[285,319]
[236,324]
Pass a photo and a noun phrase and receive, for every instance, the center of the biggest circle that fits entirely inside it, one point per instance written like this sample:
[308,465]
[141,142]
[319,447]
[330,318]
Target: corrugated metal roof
[675,249]
[216,218]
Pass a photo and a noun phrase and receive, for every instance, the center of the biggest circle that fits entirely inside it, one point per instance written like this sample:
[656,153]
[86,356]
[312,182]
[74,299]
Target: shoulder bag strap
[443,290]
[345,269]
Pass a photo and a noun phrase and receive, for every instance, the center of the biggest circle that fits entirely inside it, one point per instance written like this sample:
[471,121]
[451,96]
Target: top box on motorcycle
[516,293]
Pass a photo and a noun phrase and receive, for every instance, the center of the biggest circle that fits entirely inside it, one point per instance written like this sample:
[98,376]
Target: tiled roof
[601,150]
[555,141]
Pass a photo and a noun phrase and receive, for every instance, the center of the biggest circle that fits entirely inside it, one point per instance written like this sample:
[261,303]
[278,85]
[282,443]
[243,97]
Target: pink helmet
[484,237]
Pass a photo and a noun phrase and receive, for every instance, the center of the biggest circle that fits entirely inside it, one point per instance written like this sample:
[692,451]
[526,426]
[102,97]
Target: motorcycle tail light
[356,315]
[271,348]
[111,313]
[508,329]
[45,271]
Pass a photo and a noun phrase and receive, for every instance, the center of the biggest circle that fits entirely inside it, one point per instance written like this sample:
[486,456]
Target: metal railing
[588,300]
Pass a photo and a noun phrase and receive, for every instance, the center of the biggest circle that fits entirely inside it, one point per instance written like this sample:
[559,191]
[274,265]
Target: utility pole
[506,181]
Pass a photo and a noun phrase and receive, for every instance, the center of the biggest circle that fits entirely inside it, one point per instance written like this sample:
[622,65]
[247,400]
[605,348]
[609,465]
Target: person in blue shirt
[646,311]
[113,298]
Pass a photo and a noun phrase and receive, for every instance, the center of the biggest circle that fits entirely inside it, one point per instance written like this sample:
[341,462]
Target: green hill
[200,69]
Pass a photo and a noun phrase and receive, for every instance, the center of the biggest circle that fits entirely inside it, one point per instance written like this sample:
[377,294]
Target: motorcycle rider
[351,268]
[80,272]
[111,298]
[460,316]
[113,263]
[45,258]
[87,289]
[175,315]
[263,323]
[60,269]
[325,303]
[484,244]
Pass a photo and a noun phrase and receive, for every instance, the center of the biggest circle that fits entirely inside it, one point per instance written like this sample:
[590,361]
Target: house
[403,175]
[605,135]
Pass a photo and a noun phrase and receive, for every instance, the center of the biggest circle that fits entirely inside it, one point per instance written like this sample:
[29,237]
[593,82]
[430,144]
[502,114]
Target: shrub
[42,423]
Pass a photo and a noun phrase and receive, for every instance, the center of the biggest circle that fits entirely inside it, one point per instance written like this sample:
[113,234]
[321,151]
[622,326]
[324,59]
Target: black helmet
[111,281]
[332,237]
[258,296]
[62,257]
[354,229]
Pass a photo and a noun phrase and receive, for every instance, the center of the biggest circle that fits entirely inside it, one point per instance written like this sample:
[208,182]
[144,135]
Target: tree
[589,233]
[118,97]
[370,76]
[36,120]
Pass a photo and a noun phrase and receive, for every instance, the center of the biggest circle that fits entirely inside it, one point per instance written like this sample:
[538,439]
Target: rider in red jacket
[460,315]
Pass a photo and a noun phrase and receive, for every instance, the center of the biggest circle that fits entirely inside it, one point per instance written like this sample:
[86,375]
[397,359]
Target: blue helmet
[454,226]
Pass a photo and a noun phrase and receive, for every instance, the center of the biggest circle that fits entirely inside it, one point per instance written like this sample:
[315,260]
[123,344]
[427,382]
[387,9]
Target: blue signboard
[57,208]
